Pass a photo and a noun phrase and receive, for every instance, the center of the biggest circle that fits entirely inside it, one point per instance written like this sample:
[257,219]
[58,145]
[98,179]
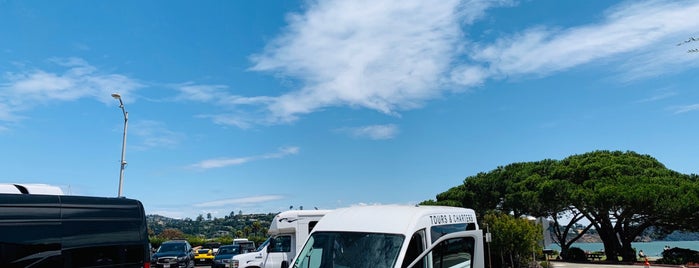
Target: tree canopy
[620,194]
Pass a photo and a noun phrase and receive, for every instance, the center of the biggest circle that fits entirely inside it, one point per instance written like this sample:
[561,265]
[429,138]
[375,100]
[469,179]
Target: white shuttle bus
[394,236]
[288,231]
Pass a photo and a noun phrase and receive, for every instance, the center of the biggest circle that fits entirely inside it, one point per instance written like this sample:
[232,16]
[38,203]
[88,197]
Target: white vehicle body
[287,231]
[394,236]
[32,188]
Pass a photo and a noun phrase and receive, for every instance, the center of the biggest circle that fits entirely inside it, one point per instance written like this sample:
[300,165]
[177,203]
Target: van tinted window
[29,231]
[456,252]
[71,231]
[438,231]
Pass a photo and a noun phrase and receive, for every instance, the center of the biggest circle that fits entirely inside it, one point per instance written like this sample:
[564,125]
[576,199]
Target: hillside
[234,225]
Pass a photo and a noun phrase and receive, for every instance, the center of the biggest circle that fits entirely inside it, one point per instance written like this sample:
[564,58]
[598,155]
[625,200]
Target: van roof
[397,219]
[32,188]
[287,219]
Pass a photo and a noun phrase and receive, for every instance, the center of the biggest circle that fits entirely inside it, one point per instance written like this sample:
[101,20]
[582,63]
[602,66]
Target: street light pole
[123,144]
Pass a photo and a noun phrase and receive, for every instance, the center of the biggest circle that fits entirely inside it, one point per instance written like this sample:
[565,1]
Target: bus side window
[415,247]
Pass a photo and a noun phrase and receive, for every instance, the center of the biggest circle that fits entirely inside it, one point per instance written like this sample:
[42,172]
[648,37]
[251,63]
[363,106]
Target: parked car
[173,254]
[204,256]
[224,258]
[212,245]
[244,245]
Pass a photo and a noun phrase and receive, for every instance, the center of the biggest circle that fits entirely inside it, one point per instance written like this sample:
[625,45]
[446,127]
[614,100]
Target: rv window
[280,244]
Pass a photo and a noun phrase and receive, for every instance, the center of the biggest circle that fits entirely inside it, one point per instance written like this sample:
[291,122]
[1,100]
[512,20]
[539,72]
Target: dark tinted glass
[29,231]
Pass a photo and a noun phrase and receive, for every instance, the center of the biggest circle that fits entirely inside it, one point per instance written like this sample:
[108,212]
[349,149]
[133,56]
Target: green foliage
[514,239]
[155,241]
[253,227]
[621,193]
[575,254]
[679,256]
[196,241]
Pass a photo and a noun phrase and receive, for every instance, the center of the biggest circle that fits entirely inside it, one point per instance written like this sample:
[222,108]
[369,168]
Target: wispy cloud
[660,96]
[391,57]
[236,114]
[374,132]
[636,33]
[685,108]
[241,201]
[25,89]
[154,134]
[225,162]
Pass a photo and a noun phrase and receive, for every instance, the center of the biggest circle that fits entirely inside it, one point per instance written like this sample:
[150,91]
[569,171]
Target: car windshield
[171,247]
[350,250]
[228,250]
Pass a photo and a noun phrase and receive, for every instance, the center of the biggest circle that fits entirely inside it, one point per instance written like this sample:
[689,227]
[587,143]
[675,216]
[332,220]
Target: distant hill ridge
[675,236]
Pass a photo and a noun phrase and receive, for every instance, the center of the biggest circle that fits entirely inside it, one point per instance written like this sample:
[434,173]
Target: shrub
[575,255]
[679,256]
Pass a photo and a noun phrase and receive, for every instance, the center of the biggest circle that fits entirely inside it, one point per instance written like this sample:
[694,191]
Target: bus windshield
[350,250]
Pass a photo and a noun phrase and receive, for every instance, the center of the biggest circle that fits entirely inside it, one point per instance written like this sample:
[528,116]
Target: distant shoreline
[653,249]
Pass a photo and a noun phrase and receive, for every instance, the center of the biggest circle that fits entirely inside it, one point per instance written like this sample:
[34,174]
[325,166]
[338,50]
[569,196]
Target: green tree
[256,227]
[621,194]
[514,240]
[171,233]
[624,193]
[247,230]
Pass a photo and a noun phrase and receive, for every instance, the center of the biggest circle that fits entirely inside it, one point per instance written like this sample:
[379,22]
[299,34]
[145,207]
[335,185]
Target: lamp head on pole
[118,97]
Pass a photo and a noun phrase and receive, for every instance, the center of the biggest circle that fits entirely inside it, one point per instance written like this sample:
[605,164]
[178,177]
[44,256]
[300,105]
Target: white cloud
[659,96]
[686,108]
[241,201]
[641,35]
[374,132]
[378,54]
[23,90]
[390,56]
[201,93]
[393,56]
[225,162]
[154,134]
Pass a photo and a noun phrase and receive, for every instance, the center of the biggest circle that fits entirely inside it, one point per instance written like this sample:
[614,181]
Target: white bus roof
[286,221]
[396,219]
[11,188]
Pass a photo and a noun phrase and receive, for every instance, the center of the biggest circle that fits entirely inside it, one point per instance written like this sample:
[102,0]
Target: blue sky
[261,105]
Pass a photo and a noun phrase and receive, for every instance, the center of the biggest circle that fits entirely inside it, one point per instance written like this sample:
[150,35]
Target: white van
[393,236]
[287,231]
